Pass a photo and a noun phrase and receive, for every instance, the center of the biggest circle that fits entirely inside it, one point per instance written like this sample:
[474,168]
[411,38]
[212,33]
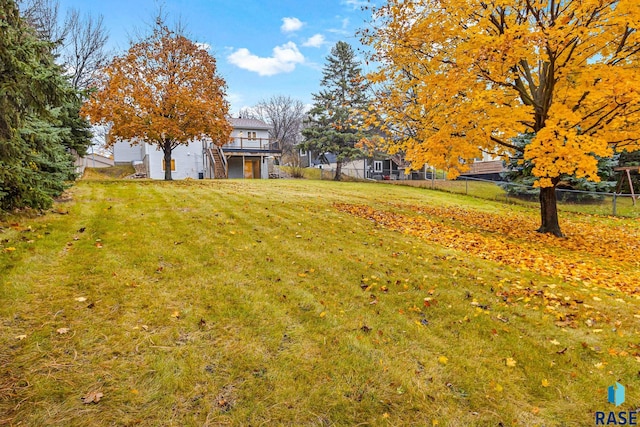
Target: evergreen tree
[520,178]
[333,123]
[39,122]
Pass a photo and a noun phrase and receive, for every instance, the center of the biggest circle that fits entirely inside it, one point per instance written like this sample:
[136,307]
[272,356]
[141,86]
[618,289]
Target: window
[251,135]
[173,165]
[377,166]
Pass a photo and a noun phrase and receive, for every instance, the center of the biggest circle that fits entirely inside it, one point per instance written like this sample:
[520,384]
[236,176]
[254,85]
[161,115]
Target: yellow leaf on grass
[175,314]
[498,388]
[323,314]
[443,360]
[510,362]
[545,383]
[62,331]
[11,249]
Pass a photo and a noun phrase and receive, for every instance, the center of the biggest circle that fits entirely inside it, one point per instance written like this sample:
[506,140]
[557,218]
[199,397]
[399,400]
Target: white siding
[123,152]
[188,160]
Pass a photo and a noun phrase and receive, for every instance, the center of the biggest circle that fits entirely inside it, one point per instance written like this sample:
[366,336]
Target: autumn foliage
[507,239]
[165,91]
[461,78]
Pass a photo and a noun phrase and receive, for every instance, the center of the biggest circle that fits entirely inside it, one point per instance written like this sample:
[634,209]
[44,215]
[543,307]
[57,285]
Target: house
[487,167]
[249,153]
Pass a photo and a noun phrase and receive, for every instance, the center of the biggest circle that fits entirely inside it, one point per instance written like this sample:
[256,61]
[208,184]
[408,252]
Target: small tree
[165,91]
[334,123]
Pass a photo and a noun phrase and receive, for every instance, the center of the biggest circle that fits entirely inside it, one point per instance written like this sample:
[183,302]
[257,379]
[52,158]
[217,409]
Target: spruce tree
[333,124]
[39,122]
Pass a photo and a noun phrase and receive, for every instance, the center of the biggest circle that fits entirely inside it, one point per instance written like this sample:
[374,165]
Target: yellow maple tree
[164,91]
[458,78]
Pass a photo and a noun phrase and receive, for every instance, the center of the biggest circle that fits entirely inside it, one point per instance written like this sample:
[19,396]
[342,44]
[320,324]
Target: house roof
[248,123]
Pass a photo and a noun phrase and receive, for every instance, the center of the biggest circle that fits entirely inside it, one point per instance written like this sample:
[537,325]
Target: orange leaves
[510,240]
[165,88]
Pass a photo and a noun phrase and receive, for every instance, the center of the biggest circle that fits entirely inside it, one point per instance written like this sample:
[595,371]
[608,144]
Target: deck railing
[252,144]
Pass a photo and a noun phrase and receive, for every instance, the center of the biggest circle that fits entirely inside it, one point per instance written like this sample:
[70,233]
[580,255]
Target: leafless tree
[285,116]
[84,48]
[42,15]
[79,42]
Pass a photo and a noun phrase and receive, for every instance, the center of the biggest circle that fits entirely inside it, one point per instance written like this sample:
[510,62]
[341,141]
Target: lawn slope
[311,303]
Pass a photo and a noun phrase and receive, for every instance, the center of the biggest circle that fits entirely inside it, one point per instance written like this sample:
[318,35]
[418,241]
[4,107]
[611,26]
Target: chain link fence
[588,202]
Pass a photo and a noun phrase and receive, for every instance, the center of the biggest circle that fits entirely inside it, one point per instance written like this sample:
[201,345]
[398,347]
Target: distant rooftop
[248,123]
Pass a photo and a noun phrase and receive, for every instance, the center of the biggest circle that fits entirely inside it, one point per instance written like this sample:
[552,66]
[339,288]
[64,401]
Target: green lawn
[297,302]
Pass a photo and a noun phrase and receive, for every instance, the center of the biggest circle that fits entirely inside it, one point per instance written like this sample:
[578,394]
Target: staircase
[219,161]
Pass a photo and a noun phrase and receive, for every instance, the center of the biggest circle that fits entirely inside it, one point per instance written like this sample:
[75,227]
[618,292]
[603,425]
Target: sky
[262,47]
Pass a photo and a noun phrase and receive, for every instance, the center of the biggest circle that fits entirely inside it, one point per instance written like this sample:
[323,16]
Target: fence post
[614,203]
[466,186]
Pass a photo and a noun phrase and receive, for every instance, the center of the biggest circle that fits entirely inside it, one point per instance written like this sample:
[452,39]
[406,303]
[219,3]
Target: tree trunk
[549,212]
[166,148]
[338,175]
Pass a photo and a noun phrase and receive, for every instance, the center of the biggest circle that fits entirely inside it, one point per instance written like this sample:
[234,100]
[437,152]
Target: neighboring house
[248,154]
[487,167]
[380,167]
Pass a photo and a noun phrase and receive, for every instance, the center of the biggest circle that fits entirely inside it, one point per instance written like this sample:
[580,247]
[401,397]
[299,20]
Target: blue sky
[263,47]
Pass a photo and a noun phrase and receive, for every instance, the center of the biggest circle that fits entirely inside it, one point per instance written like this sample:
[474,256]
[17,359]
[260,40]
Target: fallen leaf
[80,299]
[510,362]
[545,383]
[21,337]
[175,314]
[62,331]
[93,397]
[11,249]
[443,360]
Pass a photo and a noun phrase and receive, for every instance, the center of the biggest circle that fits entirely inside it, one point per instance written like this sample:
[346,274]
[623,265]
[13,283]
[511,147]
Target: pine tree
[334,121]
[38,117]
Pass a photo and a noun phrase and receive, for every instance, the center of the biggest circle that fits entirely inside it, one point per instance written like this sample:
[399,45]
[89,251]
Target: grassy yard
[297,302]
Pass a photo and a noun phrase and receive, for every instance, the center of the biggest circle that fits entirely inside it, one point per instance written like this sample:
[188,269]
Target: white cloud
[316,40]
[290,25]
[356,4]
[344,25]
[283,60]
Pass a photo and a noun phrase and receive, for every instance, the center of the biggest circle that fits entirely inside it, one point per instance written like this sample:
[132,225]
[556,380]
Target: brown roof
[248,123]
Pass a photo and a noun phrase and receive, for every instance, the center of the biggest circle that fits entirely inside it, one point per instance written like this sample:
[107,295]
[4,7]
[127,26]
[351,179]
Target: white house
[248,154]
